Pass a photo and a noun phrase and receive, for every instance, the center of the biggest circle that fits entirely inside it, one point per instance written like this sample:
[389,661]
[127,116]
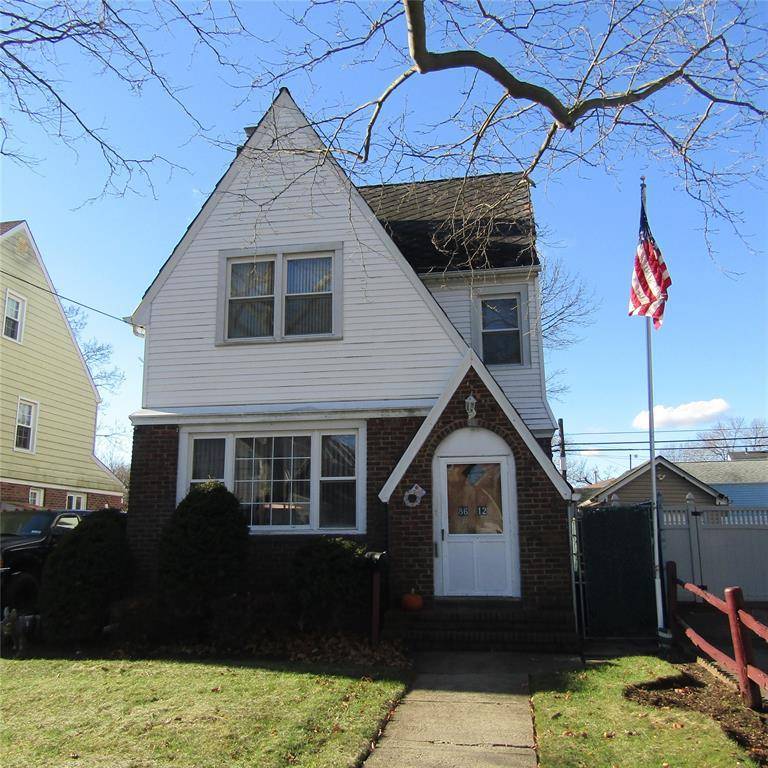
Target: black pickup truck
[27,537]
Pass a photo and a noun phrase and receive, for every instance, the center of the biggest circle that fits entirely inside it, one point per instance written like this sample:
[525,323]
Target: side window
[338,484]
[500,326]
[76,501]
[13,320]
[26,426]
[66,523]
[208,460]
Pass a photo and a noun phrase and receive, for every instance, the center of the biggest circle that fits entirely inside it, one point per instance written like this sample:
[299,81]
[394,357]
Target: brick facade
[406,533]
[541,511]
[55,498]
[153,494]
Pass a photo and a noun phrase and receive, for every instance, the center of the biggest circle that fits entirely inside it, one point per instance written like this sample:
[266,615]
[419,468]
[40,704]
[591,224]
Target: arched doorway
[477,551]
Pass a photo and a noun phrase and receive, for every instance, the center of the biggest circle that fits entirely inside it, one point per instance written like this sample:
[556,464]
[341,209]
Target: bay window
[285,295]
[309,480]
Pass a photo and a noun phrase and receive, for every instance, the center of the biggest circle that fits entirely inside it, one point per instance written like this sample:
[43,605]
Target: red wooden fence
[743,662]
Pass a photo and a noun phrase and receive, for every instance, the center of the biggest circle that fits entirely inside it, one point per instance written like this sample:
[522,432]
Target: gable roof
[8,230]
[740,471]
[471,360]
[605,491]
[285,100]
[458,223]
[7,226]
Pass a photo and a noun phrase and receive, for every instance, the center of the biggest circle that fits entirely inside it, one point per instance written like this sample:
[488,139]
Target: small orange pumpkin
[412,602]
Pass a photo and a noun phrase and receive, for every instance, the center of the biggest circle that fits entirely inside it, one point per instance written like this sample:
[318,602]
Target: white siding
[523,385]
[393,344]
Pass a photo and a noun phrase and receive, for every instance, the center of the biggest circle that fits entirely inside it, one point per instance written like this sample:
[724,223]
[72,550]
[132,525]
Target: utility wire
[658,431]
[66,298]
[703,442]
[579,451]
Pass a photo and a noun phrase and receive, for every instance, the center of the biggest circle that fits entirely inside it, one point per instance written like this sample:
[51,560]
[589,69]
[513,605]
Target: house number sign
[480,512]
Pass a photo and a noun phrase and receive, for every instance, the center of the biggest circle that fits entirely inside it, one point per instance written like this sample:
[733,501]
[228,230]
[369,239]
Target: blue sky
[714,343]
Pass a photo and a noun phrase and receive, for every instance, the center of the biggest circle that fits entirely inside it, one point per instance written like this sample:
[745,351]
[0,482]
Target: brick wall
[407,534]
[153,499]
[542,513]
[153,494]
[54,498]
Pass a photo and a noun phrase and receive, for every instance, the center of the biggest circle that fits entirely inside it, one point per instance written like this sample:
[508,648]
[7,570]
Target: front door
[477,540]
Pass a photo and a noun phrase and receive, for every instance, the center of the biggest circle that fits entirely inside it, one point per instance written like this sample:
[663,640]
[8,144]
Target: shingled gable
[472,362]
[284,99]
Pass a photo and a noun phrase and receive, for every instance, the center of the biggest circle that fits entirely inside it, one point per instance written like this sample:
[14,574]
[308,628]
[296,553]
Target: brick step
[477,618]
[487,640]
[469,625]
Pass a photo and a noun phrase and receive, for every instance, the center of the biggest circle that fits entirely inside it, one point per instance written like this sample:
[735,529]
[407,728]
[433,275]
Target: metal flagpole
[652,450]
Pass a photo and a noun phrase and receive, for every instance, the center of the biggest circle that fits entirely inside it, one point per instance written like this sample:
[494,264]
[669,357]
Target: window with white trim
[13,320]
[307,481]
[37,497]
[76,501]
[26,425]
[500,330]
[208,461]
[282,296]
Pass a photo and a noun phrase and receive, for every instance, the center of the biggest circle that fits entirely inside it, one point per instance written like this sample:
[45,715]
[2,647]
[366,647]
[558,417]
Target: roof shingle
[469,222]
[6,226]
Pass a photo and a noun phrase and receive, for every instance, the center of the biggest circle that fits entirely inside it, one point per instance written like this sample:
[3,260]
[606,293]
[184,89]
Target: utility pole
[561,430]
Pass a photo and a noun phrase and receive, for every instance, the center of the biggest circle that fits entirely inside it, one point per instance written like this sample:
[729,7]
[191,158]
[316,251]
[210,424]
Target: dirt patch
[696,689]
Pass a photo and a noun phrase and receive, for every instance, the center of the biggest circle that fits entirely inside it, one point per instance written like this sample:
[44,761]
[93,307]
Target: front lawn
[583,720]
[147,714]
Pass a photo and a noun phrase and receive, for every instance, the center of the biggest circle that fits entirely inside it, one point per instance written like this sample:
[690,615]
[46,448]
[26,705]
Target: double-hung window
[281,296]
[307,481]
[251,304]
[37,497]
[308,296]
[76,501]
[13,320]
[26,425]
[500,327]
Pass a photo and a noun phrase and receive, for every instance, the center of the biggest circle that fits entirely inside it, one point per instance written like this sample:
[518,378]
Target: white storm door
[475,527]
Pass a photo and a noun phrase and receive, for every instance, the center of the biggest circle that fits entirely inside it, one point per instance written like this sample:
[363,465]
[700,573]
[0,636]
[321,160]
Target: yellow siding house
[48,401]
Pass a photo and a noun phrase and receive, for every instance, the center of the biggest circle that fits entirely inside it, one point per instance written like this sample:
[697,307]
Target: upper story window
[500,317]
[284,296]
[26,425]
[13,321]
[300,482]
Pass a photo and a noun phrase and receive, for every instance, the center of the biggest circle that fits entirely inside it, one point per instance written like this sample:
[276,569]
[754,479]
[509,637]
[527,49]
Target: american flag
[650,277]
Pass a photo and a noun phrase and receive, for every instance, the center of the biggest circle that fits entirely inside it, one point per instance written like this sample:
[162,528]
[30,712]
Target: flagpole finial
[642,189]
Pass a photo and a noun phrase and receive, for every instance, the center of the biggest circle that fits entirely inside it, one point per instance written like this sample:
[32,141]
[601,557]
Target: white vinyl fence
[719,547]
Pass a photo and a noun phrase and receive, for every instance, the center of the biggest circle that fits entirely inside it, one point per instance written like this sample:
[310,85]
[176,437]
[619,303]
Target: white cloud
[590,452]
[684,415]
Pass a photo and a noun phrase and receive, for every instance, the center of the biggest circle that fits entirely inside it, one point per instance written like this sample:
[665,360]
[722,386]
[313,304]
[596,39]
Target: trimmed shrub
[87,570]
[330,585]
[203,553]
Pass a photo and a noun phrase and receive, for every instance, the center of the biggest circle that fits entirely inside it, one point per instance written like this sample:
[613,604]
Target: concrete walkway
[465,710]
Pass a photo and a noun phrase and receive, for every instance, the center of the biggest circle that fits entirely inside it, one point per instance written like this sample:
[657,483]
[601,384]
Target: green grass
[583,720]
[147,714]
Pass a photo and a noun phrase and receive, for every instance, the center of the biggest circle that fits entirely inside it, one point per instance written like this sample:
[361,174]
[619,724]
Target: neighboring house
[743,478]
[675,485]
[48,401]
[308,344]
